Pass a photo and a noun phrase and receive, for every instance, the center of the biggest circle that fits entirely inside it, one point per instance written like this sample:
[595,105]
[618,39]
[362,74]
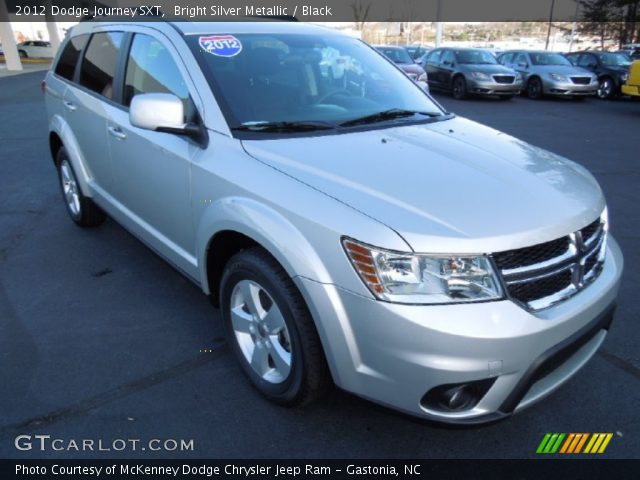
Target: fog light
[456,397]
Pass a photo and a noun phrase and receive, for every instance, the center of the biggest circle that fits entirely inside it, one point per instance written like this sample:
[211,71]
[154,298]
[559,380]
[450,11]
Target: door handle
[70,106]
[117,132]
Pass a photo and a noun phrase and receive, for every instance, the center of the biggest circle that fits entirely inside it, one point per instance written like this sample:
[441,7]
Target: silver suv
[355,234]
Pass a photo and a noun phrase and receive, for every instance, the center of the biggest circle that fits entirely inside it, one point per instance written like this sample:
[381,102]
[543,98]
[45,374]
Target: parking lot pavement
[101,339]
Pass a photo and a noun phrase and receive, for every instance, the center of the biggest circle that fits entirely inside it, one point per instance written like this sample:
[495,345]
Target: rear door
[152,169]
[88,103]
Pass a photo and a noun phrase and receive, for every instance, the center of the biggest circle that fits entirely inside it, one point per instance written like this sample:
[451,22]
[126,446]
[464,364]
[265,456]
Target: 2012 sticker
[221,45]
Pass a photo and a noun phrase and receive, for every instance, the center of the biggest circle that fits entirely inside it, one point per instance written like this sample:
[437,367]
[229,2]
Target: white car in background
[35,49]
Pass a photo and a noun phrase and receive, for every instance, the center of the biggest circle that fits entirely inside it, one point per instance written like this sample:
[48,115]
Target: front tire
[534,88]
[270,330]
[459,89]
[23,54]
[80,208]
[605,89]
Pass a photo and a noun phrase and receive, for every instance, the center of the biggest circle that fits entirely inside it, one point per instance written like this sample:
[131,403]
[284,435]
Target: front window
[615,60]
[321,80]
[396,55]
[548,58]
[475,57]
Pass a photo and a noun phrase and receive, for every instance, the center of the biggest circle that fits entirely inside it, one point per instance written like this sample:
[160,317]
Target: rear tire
[459,88]
[534,88]
[270,330]
[80,208]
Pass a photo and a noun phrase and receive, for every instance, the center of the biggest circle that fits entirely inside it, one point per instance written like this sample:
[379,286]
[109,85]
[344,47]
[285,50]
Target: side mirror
[523,65]
[160,112]
[593,65]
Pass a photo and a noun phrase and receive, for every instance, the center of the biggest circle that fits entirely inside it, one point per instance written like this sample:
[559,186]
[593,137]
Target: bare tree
[360,13]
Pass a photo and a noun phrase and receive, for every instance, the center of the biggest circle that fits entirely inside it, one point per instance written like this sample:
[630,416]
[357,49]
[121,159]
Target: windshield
[475,57]
[615,60]
[397,55]
[323,81]
[545,58]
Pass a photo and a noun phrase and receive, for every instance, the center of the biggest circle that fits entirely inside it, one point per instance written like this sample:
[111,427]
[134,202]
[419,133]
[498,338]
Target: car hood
[561,70]
[490,69]
[450,186]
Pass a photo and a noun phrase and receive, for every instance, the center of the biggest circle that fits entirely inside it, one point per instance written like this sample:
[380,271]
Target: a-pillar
[11,56]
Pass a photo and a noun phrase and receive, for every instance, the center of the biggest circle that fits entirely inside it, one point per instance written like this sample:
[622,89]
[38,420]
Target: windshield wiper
[303,126]
[386,115]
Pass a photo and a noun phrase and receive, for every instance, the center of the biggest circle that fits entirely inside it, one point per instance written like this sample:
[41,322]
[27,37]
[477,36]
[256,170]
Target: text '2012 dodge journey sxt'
[351,230]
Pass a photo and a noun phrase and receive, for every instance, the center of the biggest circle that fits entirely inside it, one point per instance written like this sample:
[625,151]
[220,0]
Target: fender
[267,227]
[60,127]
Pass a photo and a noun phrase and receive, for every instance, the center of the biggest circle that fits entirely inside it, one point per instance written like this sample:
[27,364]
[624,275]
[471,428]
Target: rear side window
[99,63]
[69,56]
[152,69]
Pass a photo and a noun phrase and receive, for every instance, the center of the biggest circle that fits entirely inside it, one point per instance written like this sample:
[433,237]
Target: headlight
[518,77]
[422,77]
[480,76]
[624,77]
[558,78]
[423,279]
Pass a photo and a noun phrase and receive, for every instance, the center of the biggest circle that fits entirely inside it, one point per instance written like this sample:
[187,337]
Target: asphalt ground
[101,339]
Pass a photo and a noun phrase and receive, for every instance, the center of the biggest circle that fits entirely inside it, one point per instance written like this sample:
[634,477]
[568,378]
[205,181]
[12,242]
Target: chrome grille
[545,274]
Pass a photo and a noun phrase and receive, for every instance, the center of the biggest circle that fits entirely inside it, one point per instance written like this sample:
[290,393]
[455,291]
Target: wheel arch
[61,135]
[232,224]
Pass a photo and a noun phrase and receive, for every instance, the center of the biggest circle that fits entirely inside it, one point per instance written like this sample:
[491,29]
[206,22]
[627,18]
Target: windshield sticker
[221,45]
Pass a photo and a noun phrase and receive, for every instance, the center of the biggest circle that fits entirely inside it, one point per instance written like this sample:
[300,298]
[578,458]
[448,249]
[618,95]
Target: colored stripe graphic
[550,443]
[553,443]
[598,443]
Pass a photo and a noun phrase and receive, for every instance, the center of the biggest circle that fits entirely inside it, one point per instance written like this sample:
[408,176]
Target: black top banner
[311,10]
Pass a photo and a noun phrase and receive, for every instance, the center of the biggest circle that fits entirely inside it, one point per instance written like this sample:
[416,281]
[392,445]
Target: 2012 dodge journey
[351,231]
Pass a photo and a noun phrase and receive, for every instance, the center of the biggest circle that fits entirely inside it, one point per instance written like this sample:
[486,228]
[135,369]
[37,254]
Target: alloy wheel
[605,88]
[261,331]
[70,188]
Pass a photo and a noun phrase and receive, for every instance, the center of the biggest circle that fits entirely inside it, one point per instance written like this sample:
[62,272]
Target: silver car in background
[550,73]
[470,71]
[355,234]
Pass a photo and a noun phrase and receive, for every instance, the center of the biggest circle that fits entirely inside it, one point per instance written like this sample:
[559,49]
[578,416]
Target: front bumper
[393,354]
[552,87]
[490,87]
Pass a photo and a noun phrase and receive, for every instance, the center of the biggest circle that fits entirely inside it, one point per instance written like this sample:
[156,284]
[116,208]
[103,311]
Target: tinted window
[548,58]
[587,60]
[573,58]
[292,77]
[505,58]
[69,57]
[475,57]
[521,59]
[151,69]
[448,57]
[99,63]
[396,55]
[434,57]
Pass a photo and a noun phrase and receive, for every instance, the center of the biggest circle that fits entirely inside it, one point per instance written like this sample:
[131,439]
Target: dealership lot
[101,339]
